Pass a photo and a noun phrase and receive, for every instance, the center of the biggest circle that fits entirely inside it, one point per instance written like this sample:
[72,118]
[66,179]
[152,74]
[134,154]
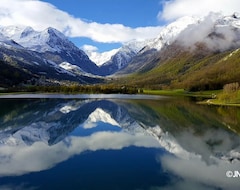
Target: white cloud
[205,31]
[41,15]
[20,159]
[197,174]
[89,48]
[174,9]
[206,165]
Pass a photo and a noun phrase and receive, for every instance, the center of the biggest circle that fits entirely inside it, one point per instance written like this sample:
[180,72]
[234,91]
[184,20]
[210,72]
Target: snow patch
[69,67]
[100,58]
[99,115]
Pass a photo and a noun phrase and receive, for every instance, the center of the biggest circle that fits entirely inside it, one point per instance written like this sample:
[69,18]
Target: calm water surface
[117,142]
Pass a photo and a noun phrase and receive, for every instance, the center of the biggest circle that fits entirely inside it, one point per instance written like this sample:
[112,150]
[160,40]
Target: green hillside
[191,70]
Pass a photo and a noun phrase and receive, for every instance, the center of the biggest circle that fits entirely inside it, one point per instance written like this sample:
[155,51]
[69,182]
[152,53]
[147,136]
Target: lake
[117,142]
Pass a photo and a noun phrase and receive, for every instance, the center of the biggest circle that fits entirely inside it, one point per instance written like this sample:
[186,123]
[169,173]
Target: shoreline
[210,102]
[202,97]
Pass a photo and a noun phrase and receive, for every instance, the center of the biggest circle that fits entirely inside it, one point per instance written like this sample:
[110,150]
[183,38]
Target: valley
[47,61]
[132,95]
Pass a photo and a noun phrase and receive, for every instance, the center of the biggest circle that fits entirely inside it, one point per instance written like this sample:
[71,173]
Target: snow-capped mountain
[216,32]
[47,40]
[46,53]
[122,57]
[50,52]
[4,41]
[52,44]
[101,58]
[131,49]
[170,32]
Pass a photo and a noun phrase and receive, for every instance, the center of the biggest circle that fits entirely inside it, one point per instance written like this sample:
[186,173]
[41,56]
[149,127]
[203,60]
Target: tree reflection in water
[194,145]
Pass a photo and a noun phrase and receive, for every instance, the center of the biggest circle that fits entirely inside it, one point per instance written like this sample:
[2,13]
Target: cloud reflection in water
[199,153]
[205,166]
[22,159]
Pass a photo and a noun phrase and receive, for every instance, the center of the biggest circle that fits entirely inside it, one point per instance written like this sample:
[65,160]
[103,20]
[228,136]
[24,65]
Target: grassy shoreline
[209,97]
[215,102]
[202,97]
[182,92]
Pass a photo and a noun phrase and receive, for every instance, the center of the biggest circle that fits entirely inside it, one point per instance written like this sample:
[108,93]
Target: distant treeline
[92,89]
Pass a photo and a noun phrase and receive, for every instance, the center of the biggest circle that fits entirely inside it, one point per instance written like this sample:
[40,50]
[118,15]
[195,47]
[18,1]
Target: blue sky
[132,13]
[101,25]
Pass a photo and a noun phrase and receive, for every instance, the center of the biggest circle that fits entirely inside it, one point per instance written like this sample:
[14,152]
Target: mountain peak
[171,31]
[54,32]
[56,41]
[26,32]
[49,39]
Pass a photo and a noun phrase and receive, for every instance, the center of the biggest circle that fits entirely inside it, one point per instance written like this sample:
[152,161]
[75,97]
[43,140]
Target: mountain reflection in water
[136,144]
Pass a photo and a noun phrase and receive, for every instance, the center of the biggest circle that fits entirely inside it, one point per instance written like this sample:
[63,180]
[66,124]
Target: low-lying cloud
[174,9]
[213,32]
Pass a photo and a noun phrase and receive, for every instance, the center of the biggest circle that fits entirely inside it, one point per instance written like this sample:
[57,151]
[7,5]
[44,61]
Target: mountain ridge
[130,50]
[168,57]
[44,54]
[203,54]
